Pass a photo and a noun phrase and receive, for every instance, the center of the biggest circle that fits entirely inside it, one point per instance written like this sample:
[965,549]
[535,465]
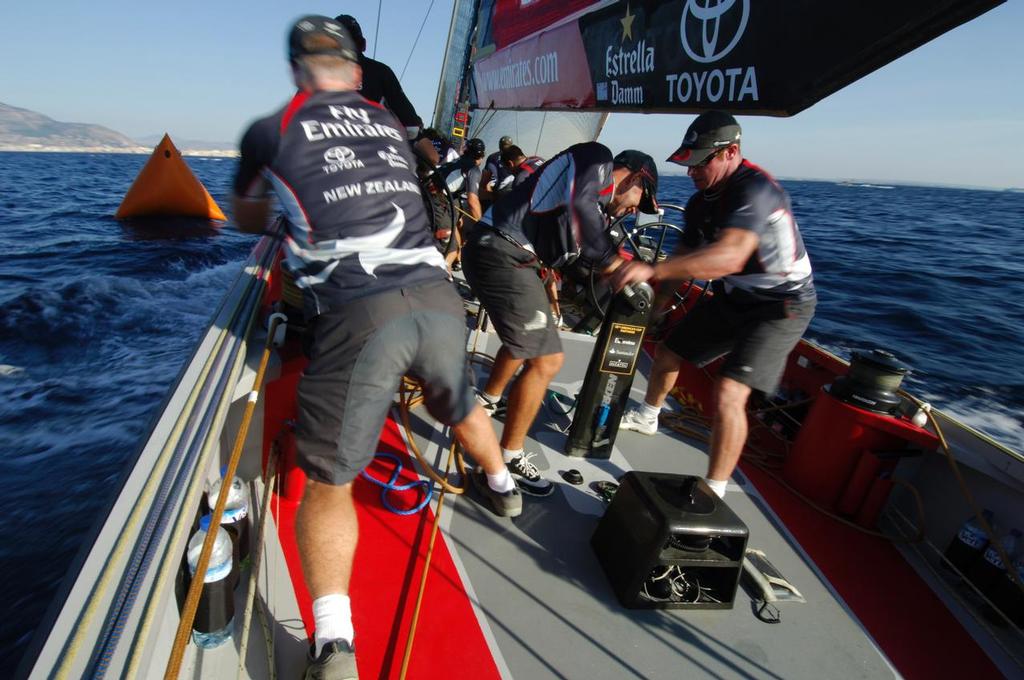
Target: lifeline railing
[81,643]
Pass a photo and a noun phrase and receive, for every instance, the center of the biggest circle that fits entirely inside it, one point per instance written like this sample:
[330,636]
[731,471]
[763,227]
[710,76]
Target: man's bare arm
[475,209]
[725,256]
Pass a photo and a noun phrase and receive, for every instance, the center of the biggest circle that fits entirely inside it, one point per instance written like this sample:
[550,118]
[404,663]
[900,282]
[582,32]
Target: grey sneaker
[638,422]
[528,477]
[495,409]
[508,504]
[337,661]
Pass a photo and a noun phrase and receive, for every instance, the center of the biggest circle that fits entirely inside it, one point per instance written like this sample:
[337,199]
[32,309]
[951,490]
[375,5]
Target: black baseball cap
[354,30]
[315,34]
[709,132]
[505,142]
[475,148]
[639,162]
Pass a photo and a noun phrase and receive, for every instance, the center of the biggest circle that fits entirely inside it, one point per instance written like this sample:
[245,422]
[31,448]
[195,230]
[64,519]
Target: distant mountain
[24,130]
[188,144]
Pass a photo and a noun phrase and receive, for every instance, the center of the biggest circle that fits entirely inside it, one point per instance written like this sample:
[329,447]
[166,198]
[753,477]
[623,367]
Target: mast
[454,73]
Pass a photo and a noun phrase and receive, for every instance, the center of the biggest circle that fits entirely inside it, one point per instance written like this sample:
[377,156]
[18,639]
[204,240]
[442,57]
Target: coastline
[41,148]
[233,153]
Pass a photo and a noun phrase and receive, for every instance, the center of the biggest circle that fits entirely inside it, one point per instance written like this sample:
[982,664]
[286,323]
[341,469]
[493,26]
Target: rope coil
[390,485]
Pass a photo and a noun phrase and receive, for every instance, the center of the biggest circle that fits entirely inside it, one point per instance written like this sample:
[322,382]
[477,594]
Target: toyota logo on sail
[707,18]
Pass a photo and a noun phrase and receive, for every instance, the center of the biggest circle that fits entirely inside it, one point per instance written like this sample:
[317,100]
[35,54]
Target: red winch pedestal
[843,456]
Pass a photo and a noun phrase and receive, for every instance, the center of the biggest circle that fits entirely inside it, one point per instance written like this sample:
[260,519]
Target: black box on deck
[659,521]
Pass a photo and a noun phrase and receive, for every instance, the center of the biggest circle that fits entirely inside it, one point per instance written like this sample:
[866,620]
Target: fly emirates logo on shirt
[348,123]
[352,123]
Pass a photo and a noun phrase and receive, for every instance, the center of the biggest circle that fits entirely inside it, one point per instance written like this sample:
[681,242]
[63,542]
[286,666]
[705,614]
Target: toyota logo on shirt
[704,31]
[339,155]
[341,158]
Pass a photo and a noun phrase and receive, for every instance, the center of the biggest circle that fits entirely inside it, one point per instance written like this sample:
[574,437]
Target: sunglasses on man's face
[711,157]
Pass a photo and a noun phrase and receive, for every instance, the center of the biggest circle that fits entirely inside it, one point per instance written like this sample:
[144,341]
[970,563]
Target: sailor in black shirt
[381,303]
[379,82]
[462,179]
[740,230]
[557,216]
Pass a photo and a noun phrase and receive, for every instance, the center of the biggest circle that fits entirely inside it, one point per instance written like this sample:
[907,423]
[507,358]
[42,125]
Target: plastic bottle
[236,515]
[969,543]
[215,616]
[990,570]
[1008,595]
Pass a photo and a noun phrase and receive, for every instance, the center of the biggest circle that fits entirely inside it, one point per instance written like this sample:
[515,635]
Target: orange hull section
[166,186]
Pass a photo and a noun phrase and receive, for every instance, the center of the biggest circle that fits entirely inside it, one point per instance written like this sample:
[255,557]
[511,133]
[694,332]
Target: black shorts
[507,280]
[360,353]
[758,337]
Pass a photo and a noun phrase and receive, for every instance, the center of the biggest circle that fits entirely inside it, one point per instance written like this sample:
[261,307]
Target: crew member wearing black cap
[380,301]
[740,231]
[462,177]
[558,216]
[379,82]
[469,165]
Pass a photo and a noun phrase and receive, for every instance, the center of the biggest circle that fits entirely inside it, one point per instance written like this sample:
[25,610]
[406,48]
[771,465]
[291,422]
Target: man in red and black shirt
[740,231]
[556,217]
[518,168]
[378,297]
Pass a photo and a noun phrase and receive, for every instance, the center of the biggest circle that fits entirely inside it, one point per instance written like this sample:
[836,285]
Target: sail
[770,58]
[537,133]
[453,70]
[474,34]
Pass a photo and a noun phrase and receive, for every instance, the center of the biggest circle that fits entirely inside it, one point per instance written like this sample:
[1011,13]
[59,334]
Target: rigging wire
[540,134]
[376,31]
[414,42]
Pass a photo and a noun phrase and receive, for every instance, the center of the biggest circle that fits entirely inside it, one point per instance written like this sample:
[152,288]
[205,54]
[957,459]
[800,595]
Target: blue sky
[951,112]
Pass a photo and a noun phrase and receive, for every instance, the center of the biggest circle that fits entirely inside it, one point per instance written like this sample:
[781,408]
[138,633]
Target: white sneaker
[635,421]
[492,408]
[528,477]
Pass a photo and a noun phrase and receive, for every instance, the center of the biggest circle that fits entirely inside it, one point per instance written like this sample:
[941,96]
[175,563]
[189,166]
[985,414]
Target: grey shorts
[506,279]
[359,354]
[757,336]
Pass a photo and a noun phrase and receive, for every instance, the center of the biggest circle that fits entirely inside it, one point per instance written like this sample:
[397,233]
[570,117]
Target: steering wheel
[646,242]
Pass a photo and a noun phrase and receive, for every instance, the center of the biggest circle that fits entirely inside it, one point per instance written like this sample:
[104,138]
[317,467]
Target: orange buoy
[166,186]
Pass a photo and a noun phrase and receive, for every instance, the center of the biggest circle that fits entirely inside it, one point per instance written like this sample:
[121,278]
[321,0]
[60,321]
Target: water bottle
[969,543]
[990,570]
[235,519]
[214,621]
[1008,595]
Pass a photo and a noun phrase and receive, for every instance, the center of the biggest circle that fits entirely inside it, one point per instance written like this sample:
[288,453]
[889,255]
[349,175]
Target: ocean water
[97,318]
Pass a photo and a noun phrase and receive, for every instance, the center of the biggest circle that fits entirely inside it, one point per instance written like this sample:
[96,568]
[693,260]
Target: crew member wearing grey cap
[495,173]
[379,300]
[558,216]
[740,231]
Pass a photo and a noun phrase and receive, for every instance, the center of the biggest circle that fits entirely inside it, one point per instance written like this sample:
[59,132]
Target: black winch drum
[872,382]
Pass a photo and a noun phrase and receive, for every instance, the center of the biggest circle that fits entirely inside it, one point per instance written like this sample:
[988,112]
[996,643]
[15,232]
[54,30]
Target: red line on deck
[385,579]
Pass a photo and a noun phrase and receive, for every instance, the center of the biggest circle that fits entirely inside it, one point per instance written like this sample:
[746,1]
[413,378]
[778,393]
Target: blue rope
[428,488]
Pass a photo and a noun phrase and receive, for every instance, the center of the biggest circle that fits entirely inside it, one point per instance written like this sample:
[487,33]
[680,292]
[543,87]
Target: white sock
[718,486]
[509,455]
[502,481]
[332,615]
[493,398]
[649,411]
